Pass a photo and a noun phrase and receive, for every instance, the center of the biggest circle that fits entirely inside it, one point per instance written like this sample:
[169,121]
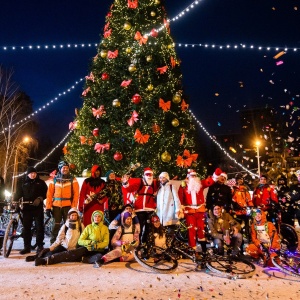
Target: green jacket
[95,233]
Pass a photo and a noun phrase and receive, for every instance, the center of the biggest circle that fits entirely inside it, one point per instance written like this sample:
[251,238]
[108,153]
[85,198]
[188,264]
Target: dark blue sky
[42,74]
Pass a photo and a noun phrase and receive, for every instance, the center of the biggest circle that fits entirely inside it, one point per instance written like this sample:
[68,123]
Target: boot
[40,261]
[25,251]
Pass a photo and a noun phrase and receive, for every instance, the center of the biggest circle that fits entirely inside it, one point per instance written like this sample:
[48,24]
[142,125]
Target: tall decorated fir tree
[134,111]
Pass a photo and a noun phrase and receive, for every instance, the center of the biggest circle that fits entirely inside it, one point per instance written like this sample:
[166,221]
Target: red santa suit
[194,210]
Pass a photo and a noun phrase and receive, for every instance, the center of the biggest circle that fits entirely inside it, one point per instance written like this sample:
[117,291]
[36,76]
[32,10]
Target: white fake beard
[194,184]
[148,180]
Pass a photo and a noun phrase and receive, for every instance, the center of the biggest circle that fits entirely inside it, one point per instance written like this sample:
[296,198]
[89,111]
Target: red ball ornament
[72,167]
[118,156]
[136,99]
[96,132]
[154,33]
[155,128]
[105,76]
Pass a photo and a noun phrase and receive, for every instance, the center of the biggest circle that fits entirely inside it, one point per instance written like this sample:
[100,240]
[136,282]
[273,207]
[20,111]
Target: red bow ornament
[132,3]
[106,26]
[184,106]
[99,112]
[173,62]
[84,93]
[164,105]
[140,38]
[72,125]
[140,138]
[134,118]
[162,70]
[186,159]
[107,33]
[112,54]
[126,83]
[90,77]
[84,140]
[101,147]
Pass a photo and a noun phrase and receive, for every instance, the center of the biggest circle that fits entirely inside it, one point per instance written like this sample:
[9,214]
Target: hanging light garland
[44,106]
[220,147]
[42,160]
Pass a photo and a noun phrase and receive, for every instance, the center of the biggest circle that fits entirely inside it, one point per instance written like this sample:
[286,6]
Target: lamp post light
[257,144]
[25,140]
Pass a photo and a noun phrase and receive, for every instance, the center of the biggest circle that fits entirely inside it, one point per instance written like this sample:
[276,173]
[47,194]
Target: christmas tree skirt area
[121,280]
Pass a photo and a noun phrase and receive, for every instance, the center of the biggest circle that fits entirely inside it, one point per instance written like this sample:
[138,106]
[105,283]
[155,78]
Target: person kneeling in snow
[124,241]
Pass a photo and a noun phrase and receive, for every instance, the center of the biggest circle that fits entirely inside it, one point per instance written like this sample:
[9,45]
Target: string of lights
[44,106]
[236,46]
[220,147]
[47,156]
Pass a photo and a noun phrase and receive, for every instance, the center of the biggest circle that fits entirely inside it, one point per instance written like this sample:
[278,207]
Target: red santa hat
[191,172]
[224,175]
[148,170]
[216,174]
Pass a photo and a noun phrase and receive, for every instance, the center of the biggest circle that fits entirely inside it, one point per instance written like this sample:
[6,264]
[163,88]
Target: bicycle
[287,259]
[14,228]
[165,260]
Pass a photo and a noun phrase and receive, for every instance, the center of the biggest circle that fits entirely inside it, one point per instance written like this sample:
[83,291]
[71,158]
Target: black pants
[144,219]
[36,215]
[59,214]
[67,256]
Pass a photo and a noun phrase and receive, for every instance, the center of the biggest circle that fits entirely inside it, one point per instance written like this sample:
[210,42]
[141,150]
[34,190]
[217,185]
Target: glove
[92,246]
[48,213]
[43,252]
[37,201]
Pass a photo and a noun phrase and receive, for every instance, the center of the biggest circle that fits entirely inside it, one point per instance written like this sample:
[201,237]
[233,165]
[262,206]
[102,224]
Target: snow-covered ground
[22,280]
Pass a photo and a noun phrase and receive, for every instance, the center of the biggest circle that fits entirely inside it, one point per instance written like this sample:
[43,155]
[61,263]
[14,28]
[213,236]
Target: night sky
[242,78]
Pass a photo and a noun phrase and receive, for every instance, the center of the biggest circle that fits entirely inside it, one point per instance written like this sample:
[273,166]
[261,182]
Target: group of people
[142,210]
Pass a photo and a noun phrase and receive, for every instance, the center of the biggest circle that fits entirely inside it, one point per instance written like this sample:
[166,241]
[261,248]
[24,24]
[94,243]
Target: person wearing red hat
[191,194]
[219,193]
[145,190]
[90,198]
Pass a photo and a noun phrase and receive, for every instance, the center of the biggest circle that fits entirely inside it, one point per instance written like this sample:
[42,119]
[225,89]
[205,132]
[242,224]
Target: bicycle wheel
[8,240]
[48,226]
[156,259]
[183,231]
[232,267]
[288,265]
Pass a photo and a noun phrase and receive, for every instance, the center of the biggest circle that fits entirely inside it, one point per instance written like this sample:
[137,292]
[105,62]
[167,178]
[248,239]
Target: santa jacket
[144,194]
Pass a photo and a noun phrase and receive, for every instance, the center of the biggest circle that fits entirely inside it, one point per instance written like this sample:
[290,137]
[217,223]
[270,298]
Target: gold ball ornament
[153,13]
[165,157]
[132,68]
[127,26]
[103,53]
[86,173]
[116,103]
[156,2]
[128,50]
[170,46]
[175,122]
[150,87]
[149,58]
[176,98]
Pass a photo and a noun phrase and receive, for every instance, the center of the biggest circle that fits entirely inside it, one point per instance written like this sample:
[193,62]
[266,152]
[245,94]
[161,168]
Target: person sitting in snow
[124,241]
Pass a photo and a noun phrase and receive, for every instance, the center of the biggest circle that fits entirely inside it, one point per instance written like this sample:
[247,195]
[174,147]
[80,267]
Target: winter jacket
[95,233]
[263,195]
[241,198]
[219,194]
[30,190]
[68,237]
[62,192]
[218,226]
[168,204]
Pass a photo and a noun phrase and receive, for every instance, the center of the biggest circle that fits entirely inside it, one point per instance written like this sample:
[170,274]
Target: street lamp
[257,144]
[25,140]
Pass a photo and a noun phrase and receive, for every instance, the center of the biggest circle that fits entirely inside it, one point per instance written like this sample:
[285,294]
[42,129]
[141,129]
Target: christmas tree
[134,112]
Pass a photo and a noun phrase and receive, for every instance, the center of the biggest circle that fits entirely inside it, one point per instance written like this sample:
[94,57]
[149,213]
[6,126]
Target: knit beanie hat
[97,212]
[72,211]
[126,215]
[31,170]
[61,164]
[164,174]
[108,173]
